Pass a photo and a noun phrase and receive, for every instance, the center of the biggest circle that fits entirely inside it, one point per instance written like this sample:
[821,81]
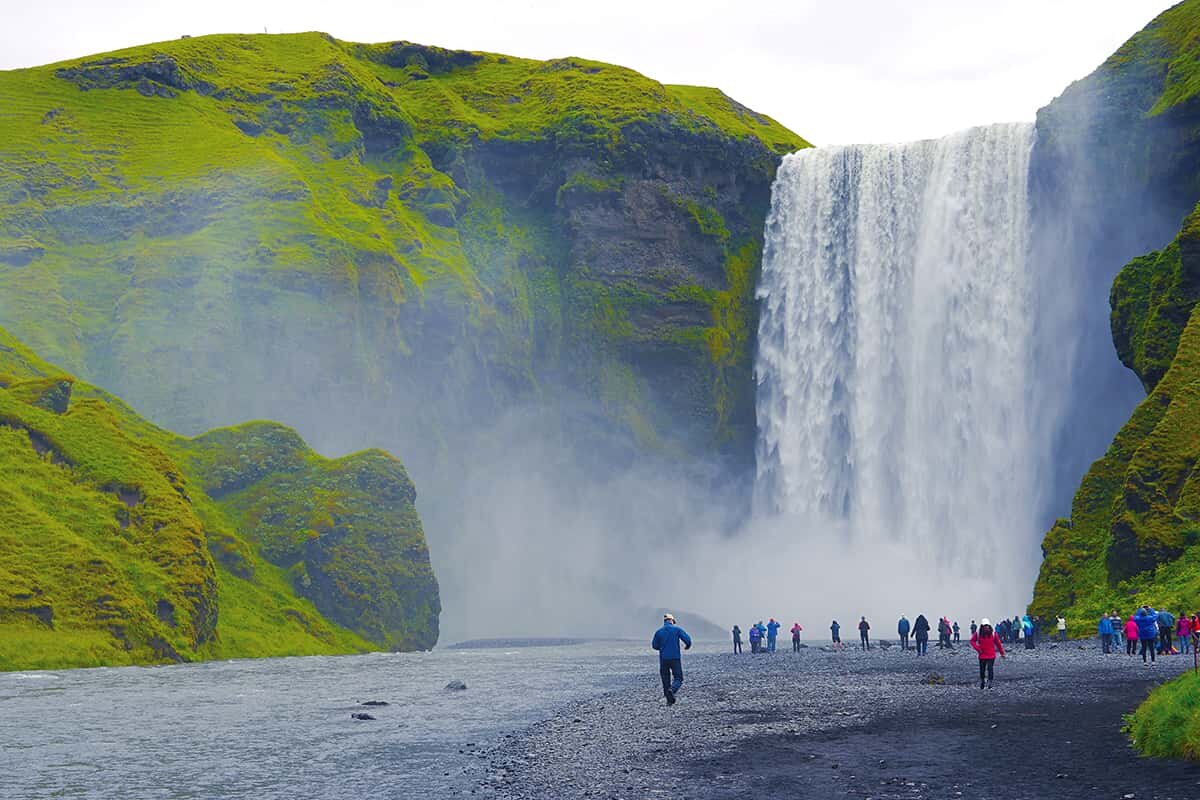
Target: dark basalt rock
[361,716]
[456,686]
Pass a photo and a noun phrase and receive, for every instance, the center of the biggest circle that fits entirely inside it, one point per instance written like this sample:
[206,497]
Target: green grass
[121,543]
[1167,724]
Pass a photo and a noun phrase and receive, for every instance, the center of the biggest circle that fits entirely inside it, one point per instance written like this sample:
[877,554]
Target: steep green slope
[422,237]
[112,552]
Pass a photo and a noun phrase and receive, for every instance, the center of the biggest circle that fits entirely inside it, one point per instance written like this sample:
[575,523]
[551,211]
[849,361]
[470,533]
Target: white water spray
[895,350]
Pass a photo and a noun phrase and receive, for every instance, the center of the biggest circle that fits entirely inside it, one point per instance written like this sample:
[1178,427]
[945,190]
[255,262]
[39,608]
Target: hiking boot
[670,698]
[989,683]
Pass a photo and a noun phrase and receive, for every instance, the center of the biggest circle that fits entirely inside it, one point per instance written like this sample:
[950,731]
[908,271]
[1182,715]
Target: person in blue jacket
[772,634]
[1105,629]
[902,628]
[670,661]
[1146,619]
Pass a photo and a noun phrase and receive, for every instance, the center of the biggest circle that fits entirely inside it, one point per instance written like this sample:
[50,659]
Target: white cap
[985,621]
[668,617]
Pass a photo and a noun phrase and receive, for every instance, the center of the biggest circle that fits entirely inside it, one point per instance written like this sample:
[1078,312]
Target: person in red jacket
[1131,636]
[986,643]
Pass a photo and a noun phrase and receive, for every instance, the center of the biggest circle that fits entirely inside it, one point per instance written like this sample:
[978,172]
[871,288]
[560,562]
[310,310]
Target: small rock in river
[374,703]
[456,686]
[361,716]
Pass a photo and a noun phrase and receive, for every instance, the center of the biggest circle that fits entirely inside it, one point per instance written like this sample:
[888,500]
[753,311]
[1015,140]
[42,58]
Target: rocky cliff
[1127,138]
[230,227]
[121,543]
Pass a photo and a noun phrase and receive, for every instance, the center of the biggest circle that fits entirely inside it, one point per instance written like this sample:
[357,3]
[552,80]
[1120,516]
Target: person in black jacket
[921,634]
[863,627]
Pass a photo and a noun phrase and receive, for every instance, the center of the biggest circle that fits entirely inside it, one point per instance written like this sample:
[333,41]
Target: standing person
[1131,636]
[1062,628]
[1105,629]
[986,643]
[1166,627]
[1117,626]
[863,635]
[772,634]
[957,640]
[1027,632]
[921,634]
[1183,632]
[1147,629]
[670,661]
[755,639]
[796,631]
[902,628]
[975,629]
[1018,627]
[835,630]
[737,639]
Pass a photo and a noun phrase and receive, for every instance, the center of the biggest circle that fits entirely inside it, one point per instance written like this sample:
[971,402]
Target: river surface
[281,728]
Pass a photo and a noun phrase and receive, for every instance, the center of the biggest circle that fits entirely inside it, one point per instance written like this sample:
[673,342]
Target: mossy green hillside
[233,227]
[112,552]
[1134,532]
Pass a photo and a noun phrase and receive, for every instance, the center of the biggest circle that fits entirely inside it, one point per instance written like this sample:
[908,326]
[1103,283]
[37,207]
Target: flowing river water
[281,728]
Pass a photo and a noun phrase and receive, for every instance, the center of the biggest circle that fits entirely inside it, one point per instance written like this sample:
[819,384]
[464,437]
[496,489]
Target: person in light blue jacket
[1105,629]
[670,661]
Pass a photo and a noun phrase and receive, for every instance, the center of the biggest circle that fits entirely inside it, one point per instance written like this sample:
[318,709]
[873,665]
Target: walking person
[957,640]
[772,634]
[796,631]
[902,628]
[1131,636]
[1147,627]
[737,639]
[835,631]
[1105,629]
[863,635]
[986,643]
[670,661]
[1062,629]
[921,634]
[1027,629]
[1118,626]
[755,639]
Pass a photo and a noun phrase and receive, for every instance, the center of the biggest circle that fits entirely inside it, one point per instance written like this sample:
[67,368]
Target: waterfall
[895,346]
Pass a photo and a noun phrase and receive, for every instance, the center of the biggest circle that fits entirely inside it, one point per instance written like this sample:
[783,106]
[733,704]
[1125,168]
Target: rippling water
[281,728]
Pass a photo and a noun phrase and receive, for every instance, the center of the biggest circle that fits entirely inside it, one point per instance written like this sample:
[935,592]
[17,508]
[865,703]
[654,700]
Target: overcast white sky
[834,72]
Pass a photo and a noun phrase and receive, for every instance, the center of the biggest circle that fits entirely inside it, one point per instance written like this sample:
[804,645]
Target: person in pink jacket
[1131,636]
[986,643]
[1183,632]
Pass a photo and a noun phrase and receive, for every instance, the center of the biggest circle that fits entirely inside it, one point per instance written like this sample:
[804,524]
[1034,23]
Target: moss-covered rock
[231,227]
[113,552]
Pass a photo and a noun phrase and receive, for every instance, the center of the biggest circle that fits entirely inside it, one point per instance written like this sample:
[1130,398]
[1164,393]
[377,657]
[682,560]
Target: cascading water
[895,347]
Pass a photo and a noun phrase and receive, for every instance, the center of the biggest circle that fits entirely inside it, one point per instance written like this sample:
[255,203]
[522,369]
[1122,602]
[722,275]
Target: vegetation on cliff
[121,543]
[422,236]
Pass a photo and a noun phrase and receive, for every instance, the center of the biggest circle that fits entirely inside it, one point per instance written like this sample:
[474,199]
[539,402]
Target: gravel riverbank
[857,725]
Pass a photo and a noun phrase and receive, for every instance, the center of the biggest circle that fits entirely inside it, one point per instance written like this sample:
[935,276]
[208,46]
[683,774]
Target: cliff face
[1127,137]
[121,543]
[424,238]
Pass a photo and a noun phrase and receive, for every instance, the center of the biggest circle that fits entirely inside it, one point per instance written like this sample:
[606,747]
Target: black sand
[832,725]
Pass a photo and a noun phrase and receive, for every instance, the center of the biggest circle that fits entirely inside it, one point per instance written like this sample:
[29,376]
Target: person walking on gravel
[902,628]
[1027,630]
[670,661]
[796,631]
[1147,627]
[921,634]
[1131,636]
[1105,629]
[1062,629]
[986,643]
[737,640]
[835,631]
[863,633]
